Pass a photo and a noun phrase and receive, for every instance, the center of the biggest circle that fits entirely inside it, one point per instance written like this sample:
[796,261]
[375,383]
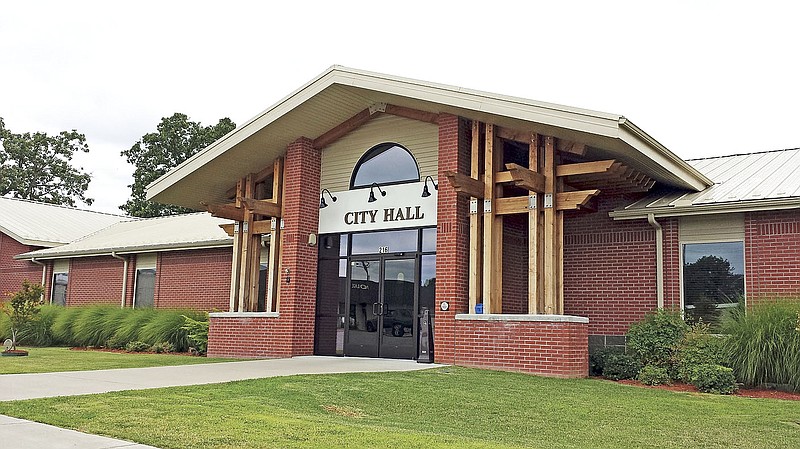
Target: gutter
[706,209]
[44,271]
[132,250]
[124,276]
[659,259]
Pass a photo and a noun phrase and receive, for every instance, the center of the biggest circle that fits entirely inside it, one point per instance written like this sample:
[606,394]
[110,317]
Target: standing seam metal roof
[43,224]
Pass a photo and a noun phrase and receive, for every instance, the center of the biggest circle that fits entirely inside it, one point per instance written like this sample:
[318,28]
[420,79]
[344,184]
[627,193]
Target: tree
[35,166]
[710,281]
[175,140]
[22,308]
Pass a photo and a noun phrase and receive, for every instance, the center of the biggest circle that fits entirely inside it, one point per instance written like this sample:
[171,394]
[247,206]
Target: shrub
[137,346]
[620,366]
[699,347]
[130,324]
[655,339]
[197,333]
[39,332]
[95,325]
[167,325]
[715,379]
[62,325]
[653,375]
[597,359]
[163,347]
[763,343]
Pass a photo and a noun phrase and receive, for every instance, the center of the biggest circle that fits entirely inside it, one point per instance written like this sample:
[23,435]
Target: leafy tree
[35,166]
[22,308]
[175,140]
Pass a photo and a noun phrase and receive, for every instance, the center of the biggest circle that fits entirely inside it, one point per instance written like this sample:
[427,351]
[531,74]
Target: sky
[705,78]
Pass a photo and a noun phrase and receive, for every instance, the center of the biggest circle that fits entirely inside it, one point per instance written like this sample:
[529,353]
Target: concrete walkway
[21,434]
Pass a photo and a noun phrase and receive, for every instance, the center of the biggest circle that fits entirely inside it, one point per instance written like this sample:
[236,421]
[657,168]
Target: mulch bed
[744,392]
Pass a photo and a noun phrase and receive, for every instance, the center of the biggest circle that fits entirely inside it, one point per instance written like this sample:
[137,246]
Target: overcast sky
[705,78]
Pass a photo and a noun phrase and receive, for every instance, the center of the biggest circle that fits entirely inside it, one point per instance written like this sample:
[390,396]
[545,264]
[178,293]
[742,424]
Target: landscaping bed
[760,393]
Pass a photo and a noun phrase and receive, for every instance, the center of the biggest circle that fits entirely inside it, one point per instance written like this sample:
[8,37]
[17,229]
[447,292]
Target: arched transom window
[386,163]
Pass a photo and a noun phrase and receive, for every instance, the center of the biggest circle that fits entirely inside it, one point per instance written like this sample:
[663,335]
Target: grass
[443,407]
[48,360]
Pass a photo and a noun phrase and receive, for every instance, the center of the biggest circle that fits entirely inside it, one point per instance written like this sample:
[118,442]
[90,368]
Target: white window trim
[53,286]
[683,243]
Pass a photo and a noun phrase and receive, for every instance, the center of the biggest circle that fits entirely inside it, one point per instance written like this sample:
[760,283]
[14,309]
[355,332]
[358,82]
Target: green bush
[197,333]
[137,346]
[62,325]
[131,323]
[715,379]
[95,325]
[39,332]
[654,340]
[653,375]
[620,366]
[167,325]
[699,347]
[162,348]
[597,359]
[763,343]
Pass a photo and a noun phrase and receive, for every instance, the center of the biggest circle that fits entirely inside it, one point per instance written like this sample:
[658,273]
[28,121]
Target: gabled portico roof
[340,93]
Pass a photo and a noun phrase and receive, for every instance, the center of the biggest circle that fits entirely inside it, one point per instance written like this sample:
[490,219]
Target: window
[713,279]
[387,163]
[145,283]
[58,296]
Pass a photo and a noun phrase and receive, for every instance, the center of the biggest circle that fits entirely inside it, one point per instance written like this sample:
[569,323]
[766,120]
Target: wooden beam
[261,207]
[527,179]
[475,223]
[574,200]
[229,211]
[277,181]
[550,271]
[273,275]
[414,114]
[228,228]
[584,168]
[343,128]
[511,134]
[535,298]
[261,176]
[571,147]
[245,269]
[235,267]
[492,229]
[465,184]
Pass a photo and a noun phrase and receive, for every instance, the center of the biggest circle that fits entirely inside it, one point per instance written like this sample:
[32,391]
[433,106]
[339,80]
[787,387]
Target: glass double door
[381,303]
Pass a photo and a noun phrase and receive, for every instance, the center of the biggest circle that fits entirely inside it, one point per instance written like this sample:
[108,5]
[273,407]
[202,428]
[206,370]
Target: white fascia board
[653,149]
[48,255]
[707,209]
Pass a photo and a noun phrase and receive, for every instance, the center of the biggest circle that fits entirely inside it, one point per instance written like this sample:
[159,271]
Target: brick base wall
[548,348]
[249,336]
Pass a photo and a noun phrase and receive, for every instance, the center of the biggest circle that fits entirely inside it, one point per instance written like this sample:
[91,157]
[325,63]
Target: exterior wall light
[425,192]
[322,203]
[372,198]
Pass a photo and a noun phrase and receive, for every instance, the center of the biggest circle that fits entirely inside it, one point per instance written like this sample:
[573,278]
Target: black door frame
[382,258]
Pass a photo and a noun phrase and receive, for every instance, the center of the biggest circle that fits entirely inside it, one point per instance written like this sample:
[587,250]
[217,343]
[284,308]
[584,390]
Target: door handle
[377,308]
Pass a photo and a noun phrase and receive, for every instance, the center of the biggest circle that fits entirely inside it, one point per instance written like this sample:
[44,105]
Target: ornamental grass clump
[764,344]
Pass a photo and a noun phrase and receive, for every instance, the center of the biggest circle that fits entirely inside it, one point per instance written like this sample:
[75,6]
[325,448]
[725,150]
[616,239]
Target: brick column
[452,241]
[672,264]
[298,286]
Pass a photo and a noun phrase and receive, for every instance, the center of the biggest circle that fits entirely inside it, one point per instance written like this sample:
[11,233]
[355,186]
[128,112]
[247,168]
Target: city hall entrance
[372,288]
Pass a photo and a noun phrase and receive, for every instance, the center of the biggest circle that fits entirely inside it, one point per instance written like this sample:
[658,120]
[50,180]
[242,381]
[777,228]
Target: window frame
[53,286]
[681,249]
[365,157]
[136,286]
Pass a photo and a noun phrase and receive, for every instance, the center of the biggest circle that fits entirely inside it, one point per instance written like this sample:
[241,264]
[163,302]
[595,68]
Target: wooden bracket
[261,207]
[527,179]
[465,184]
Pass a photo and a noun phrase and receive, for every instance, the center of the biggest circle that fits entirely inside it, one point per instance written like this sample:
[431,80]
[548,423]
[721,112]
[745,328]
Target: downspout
[659,259]
[124,277]
[44,272]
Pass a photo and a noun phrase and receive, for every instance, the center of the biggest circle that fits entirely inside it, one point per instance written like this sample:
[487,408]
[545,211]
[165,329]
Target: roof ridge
[62,206]
[741,154]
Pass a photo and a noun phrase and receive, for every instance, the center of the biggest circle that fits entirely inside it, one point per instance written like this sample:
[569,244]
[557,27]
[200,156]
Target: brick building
[528,231]
[28,225]
[181,261]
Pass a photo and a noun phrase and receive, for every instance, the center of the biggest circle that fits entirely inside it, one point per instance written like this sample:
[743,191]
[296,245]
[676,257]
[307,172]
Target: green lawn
[48,360]
[443,407]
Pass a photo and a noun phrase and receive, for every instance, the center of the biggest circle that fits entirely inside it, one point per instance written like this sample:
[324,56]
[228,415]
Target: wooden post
[475,224]
[274,240]
[247,249]
[535,299]
[553,225]
[492,228]
[235,266]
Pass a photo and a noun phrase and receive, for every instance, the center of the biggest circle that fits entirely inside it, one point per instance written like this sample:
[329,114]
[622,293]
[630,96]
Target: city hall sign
[401,207]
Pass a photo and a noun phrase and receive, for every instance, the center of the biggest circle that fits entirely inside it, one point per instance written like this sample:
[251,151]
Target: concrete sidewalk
[21,434]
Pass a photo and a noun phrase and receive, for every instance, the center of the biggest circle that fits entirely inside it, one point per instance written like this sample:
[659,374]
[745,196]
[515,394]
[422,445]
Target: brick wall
[94,280]
[452,241]
[13,272]
[772,254]
[196,279]
[609,267]
[248,337]
[672,263]
[515,263]
[555,349]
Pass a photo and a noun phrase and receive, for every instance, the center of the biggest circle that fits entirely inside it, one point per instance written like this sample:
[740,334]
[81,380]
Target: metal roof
[189,231]
[41,224]
[340,93]
[754,181]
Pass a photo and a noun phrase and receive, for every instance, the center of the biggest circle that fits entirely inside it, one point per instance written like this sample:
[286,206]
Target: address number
[383,249]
